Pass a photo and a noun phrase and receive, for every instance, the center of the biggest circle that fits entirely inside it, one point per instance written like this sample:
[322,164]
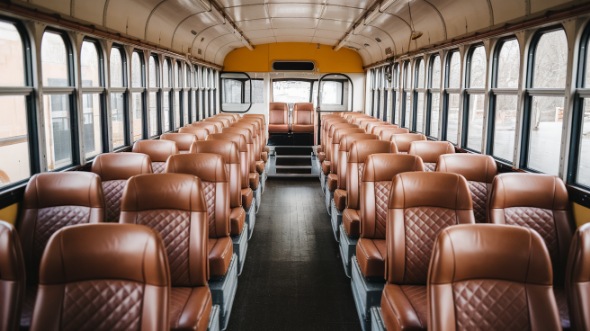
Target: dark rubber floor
[293,277]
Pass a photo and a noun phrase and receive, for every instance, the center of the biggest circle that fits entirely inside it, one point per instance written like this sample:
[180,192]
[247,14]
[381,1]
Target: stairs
[293,161]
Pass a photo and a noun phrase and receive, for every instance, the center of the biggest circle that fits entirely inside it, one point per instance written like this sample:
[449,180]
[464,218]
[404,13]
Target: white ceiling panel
[254,24]
[235,3]
[341,13]
[293,23]
[340,26]
[295,10]
[328,34]
[266,40]
[261,33]
[505,11]
[248,13]
[294,32]
[58,6]
[296,39]
[350,3]
[130,17]
[324,41]
[89,10]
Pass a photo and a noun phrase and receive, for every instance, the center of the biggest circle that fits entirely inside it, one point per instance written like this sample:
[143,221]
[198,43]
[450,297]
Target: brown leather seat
[380,169]
[326,122]
[157,150]
[54,200]
[278,117]
[429,151]
[240,140]
[229,151]
[303,118]
[174,205]
[225,122]
[490,277]
[114,170]
[358,118]
[371,126]
[253,175]
[103,277]
[380,128]
[386,134]
[201,133]
[364,123]
[539,202]
[479,170]
[421,205]
[329,153]
[12,277]
[404,140]
[345,146]
[184,141]
[252,126]
[212,121]
[263,133]
[210,168]
[359,152]
[339,133]
[578,279]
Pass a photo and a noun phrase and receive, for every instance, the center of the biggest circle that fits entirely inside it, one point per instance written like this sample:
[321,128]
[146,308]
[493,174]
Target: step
[293,161]
[293,167]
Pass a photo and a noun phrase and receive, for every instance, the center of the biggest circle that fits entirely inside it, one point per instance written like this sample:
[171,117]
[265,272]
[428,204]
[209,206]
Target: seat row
[200,215]
[302,119]
[393,211]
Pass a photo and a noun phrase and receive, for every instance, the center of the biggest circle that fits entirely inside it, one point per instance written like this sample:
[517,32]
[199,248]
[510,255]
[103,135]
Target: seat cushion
[302,128]
[253,180]
[260,167]
[237,218]
[326,167]
[190,308]
[321,156]
[351,220]
[278,128]
[220,253]
[340,199]
[247,196]
[266,149]
[264,156]
[332,182]
[404,307]
[371,254]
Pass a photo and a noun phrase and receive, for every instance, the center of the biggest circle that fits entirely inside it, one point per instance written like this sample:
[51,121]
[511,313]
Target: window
[291,91]
[545,101]
[137,93]
[153,95]
[118,111]
[419,95]
[504,99]
[582,117]
[92,88]
[167,122]
[257,90]
[474,98]
[56,62]
[406,95]
[452,96]
[14,133]
[433,107]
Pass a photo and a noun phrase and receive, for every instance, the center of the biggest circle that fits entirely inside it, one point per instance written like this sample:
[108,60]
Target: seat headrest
[347,140]
[237,138]
[12,266]
[163,191]
[528,190]
[226,148]
[278,106]
[121,166]
[208,167]
[387,133]
[250,126]
[183,140]
[200,132]
[105,251]
[303,106]
[490,251]
[429,151]
[72,188]
[361,149]
[432,189]
[383,167]
[474,167]
[339,133]
[403,140]
[158,150]
[243,131]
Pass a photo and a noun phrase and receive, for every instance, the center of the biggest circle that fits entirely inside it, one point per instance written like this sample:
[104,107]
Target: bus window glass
[332,93]
[91,105]
[583,173]
[54,57]
[453,117]
[138,86]
[546,112]
[419,94]
[136,74]
[257,91]
[434,102]
[454,70]
[118,119]
[505,113]
[291,91]
[153,88]
[477,74]
[58,131]
[11,47]
[453,73]
[407,89]
[116,67]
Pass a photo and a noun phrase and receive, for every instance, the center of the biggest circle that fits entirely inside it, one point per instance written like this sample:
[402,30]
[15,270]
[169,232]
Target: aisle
[293,277]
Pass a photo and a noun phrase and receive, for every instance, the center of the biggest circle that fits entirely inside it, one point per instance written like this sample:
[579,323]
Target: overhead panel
[58,6]
[293,24]
[505,11]
[341,13]
[261,24]
[295,10]
[247,13]
[464,17]
[89,10]
[129,17]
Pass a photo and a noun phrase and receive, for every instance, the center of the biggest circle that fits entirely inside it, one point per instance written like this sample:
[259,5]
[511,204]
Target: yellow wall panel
[325,58]
[9,213]
[581,214]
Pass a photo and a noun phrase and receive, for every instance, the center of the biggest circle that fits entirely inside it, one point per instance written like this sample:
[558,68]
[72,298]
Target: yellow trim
[324,56]
[581,214]
[9,213]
